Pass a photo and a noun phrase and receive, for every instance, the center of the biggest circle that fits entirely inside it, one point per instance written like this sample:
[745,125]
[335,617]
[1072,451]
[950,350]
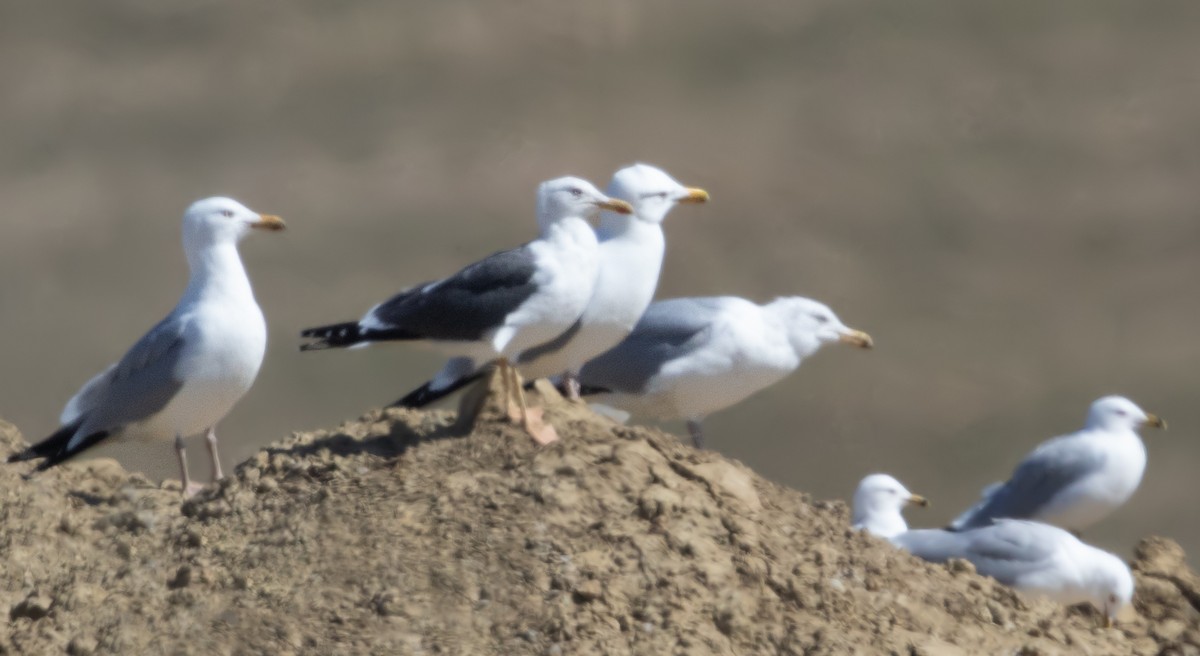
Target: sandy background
[1004,195]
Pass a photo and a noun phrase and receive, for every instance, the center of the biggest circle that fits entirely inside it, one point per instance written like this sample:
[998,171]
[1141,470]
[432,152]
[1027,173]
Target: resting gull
[631,255]
[1073,481]
[1034,558]
[503,304]
[878,505]
[689,357]
[187,373]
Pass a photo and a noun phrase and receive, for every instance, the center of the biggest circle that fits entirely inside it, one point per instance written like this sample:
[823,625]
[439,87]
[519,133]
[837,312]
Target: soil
[407,533]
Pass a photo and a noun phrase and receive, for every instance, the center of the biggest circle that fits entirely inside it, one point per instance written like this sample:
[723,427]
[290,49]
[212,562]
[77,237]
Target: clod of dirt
[404,532]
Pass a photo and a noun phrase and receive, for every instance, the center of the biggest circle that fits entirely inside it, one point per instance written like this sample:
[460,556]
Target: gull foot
[193,488]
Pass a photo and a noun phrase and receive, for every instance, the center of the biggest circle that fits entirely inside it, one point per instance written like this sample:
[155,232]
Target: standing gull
[187,373]
[1034,558]
[690,357]
[1073,481]
[503,304]
[879,503]
[631,255]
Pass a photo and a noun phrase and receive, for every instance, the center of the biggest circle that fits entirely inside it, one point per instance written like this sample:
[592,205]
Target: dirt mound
[397,533]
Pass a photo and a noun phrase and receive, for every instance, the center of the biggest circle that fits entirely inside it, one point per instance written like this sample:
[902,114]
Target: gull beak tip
[918,500]
[615,205]
[694,195]
[269,222]
[857,338]
[1154,421]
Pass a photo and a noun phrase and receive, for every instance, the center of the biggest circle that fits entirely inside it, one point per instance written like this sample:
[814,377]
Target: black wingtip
[27,454]
[592,390]
[57,448]
[336,335]
[62,455]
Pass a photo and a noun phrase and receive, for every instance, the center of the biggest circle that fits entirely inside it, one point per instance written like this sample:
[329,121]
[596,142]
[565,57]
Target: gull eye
[227,214]
[1112,598]
[1121,413]
[576,192]
[822,318]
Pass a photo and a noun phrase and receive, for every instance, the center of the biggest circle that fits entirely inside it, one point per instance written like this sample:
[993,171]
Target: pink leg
[211,438]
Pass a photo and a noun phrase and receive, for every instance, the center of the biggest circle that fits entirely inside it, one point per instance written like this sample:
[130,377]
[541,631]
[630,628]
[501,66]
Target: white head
[878,505]
[219,220]
[568,197]
[651,192]
[1109,583]
[811,324]
[1117,413]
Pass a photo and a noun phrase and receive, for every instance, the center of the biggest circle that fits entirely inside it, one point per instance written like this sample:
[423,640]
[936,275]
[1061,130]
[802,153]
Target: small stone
[81,646]
[183,577]
[1168,630]
[587,591]
[35,607]
[960,566]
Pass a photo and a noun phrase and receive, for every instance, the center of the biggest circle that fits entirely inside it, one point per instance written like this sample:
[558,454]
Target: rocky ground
[405,533]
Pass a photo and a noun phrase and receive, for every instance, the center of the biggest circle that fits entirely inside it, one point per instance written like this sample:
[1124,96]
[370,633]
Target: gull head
[1117,413]
[810,324]
[568,197]
[878,505]
[1109,583]
[651,192]
[222,220]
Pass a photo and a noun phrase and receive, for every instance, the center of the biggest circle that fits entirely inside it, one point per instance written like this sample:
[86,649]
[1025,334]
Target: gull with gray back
[187,373]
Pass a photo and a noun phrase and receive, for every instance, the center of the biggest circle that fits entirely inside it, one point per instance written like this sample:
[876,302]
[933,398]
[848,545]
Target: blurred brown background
[1004,194]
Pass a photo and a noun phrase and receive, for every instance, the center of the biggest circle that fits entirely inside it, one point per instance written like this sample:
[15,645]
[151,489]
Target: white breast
[223,353]
[1096,496]
[567,263]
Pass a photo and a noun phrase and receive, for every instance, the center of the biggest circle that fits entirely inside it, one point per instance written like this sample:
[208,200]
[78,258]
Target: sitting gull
[689,357]
[503,304]
[1074,480]
[631,255]
[1034,558]
[187,373]
[878,505]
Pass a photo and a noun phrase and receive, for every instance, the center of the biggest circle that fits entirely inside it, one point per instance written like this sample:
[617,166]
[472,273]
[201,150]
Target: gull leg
[697,433]
[571,385]
[506,379]
[188,487]
[211,438]
[531,420]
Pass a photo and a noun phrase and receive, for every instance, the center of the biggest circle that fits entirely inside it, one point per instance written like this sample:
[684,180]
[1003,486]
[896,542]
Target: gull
[630,260]
[1032,557]
[1073,481]
[689,357]
[503,304]
[878,504]
[186,374]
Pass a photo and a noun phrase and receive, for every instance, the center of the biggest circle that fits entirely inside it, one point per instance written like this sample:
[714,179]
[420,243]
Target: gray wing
[934,545]
[136,387]
[1043,474]
[668,330]
[1010,549]
[464,306]
[1005,550]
